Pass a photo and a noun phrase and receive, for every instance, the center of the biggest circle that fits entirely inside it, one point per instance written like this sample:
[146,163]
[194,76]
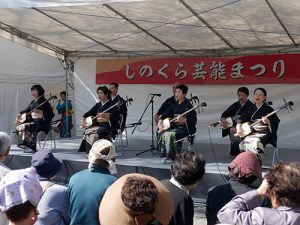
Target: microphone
[214,124]
[158,95]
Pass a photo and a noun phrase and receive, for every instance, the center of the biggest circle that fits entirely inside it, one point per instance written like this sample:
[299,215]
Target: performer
[102,125]
[265,132]
[232,112]
[183,126]
[122,108]
[166,104]
[38,116]
[61,109]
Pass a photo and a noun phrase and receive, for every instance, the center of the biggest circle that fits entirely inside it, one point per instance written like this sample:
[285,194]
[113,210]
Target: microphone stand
[152,148]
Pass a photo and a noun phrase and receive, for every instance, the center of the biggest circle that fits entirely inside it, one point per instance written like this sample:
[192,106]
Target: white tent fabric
[20,68]
[156,28]
[50,3]
[218,98]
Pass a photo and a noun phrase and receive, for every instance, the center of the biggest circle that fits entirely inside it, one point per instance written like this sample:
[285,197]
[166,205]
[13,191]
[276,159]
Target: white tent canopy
[153,27]
[20,68]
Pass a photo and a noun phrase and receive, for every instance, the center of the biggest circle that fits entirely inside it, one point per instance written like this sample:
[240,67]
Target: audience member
[282,186]
[87,187]
[245,175]
[136,199]
[186,171]
[20,193]
[5,143]
[54,204]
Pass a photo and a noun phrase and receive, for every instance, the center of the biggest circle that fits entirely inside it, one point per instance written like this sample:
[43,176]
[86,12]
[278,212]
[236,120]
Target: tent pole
[67,67]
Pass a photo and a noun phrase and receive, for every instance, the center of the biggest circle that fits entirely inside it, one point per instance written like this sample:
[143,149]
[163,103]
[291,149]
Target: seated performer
[232,113]
[167,103]
[264,132]
[182,127]
[35,118]
[101,126]
[122,109]
[61,109]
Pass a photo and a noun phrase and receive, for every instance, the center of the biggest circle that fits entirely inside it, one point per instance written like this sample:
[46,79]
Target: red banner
[262,69]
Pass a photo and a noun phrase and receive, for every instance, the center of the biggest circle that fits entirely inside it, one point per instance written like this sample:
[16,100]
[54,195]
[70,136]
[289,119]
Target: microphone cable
[215,158]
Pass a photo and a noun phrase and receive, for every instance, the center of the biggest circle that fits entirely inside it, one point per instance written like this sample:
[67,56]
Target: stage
[149,163]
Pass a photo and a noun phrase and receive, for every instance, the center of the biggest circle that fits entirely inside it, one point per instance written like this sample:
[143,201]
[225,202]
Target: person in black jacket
[121,108]
[245,175]
[186,171]
[183,126]
[231,114]
[38,118]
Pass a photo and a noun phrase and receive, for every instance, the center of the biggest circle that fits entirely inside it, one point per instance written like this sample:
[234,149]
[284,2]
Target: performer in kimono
[183,126]
[35,118]
[231,114]
[264,132]
[100,127]
[166,104]
[65,117]
[121,108]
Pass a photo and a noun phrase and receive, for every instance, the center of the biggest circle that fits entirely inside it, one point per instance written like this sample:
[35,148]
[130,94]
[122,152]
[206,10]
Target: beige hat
[113,211]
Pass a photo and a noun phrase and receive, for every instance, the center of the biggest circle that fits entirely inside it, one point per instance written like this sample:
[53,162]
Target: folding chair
[49,137]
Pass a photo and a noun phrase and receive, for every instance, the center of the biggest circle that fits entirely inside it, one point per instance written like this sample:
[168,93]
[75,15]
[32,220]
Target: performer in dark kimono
[263,133]
[231,114]
[165,105]
[121,108]
[183,127]
[35,118]
[100,127]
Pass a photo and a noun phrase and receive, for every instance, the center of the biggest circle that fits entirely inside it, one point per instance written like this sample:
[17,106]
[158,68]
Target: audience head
[139,195]
[188,168]
[45,164]
[5,143]
[284,183]
[136,199]
[20,193]
[103,153]
[40,90]
[245,168]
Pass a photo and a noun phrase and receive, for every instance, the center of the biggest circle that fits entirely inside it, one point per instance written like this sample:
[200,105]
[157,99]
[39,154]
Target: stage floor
[216,157]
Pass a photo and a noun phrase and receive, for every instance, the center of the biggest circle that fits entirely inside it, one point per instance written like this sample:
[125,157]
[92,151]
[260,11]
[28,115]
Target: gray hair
[5,143]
